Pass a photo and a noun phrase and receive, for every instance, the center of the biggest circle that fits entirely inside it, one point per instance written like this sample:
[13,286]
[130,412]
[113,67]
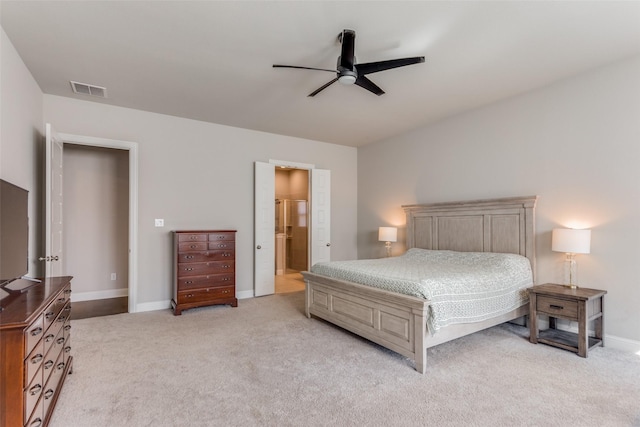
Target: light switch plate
[159,222]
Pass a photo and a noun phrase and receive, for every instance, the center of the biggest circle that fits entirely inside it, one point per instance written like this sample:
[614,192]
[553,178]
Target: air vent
[87,89]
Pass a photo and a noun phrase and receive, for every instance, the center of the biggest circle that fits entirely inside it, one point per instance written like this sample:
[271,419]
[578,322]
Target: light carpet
[265,364]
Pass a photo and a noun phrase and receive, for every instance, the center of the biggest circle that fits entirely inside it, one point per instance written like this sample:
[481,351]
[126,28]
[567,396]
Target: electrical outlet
[113,276]
[159,222]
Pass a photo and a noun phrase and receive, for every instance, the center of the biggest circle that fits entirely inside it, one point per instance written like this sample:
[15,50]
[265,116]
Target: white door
[264,226]
[320,215]
[54,263]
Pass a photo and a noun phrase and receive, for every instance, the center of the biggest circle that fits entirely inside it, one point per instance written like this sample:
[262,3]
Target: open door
[320,216]
[264,226]
[54,263]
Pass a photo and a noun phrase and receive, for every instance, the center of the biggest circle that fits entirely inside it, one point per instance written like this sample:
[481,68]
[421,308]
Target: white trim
[292,164]
[89,296]
[624,344]
[132,147]
[611,341]
[244,294]
[153,306]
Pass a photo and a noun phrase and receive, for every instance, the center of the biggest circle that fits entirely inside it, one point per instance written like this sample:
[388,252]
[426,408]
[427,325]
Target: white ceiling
[212,60]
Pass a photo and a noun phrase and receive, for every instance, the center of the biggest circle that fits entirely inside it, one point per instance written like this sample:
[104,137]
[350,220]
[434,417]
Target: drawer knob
[37,358]
[48,364]
[36,423]
[557,307]
[60,340]
[48,393]
[67,328]
[60,366]
[67,349]
[49,315]
[35,389]
[49,338]
[36,331]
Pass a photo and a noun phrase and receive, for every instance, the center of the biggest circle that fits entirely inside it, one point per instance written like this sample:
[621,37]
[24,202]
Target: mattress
[462,287]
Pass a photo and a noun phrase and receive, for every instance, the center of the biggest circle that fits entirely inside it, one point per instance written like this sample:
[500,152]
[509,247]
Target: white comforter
[462,287]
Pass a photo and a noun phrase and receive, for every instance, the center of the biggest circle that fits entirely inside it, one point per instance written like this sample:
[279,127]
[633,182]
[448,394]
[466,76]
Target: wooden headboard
[504,225]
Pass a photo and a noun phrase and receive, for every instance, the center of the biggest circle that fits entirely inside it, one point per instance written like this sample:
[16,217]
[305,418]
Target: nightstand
[581,305]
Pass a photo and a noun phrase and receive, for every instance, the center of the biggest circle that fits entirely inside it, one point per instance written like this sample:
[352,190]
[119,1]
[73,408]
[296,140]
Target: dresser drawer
[205,294]
[33,362]
[33,334]
[192,237]
[204,268]
[37,417]
[557,307]
[52,385]
[53,310]
[221,236]
[221,244]
[50,335]
[31,395]
[192,246]
[206,281]
[213,255]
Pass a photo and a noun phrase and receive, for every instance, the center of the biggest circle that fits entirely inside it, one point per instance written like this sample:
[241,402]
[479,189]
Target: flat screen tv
[14,232]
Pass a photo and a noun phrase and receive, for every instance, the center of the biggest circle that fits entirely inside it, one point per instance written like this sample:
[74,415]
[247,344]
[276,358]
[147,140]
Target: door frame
[132,148]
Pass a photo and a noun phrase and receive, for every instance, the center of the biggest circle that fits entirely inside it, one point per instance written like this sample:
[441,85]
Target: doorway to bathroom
[291,228]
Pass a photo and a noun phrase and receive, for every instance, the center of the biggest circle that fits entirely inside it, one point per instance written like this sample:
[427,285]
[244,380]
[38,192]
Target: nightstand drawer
[557,307]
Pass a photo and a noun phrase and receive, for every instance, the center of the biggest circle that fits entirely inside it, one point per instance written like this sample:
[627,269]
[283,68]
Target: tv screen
[14,232]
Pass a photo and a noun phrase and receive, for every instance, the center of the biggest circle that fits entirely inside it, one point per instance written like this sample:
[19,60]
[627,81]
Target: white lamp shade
[569,240]
[387,234]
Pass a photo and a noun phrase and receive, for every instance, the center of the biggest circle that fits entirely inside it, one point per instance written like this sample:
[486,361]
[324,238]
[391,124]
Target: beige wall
[576,144]
[96,215]
[195,175]
[21,135]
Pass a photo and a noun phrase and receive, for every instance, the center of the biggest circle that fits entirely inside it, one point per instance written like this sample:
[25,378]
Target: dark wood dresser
[35,350]
[204,269]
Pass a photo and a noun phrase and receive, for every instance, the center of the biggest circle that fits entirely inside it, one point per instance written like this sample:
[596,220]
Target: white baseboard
[244,294]
[163,305]
[612,341]
[153,306]
[624,344]
[88,296]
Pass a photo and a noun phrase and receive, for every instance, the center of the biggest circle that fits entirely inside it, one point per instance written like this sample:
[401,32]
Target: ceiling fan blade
[367,84]
[320,89]
[347,57]
[374,67]
[302,68]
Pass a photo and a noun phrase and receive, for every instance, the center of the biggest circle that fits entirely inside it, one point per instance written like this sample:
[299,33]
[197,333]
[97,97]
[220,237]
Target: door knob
[44,258]
[328,244]
[259,247]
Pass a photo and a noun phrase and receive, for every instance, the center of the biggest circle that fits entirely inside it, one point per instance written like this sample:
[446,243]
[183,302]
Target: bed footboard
[394,321]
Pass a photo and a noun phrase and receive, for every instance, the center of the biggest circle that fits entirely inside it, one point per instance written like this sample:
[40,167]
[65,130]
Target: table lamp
[571,241]
[388,235]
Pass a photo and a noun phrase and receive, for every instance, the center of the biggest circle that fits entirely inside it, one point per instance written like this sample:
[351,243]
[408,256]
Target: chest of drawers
[204,269]
[35,349]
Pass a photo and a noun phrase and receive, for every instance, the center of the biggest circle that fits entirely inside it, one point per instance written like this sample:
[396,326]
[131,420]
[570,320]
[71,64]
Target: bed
[399,321]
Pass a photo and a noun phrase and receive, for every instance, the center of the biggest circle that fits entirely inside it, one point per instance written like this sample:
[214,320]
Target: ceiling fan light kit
[348,72]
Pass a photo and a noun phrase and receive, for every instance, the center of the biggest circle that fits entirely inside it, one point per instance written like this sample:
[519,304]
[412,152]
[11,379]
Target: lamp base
[387,246]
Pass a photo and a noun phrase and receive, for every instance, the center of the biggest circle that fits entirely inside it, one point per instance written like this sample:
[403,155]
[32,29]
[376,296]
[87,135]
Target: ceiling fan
[349,72]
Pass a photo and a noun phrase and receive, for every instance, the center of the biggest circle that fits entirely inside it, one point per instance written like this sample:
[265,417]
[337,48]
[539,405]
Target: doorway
[291,228]
[130,248]
[96,204]
[319,220]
